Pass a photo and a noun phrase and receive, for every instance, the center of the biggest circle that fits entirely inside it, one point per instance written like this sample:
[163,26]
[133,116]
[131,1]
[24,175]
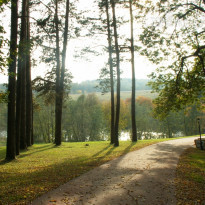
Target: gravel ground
[144,177]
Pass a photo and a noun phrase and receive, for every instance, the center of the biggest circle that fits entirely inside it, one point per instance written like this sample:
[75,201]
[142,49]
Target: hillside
[90,86]
[124,95]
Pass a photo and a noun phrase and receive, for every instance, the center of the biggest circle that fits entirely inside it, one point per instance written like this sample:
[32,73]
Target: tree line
[88,119]
[179,78]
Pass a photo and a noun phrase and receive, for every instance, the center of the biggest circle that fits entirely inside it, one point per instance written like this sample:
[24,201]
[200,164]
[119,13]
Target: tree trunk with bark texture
[117,117]
[112,123]
[11,127]
[134,128]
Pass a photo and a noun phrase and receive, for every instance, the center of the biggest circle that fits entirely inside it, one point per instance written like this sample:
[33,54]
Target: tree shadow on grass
[110,149]
[129,148]
[101,151]
[24,153]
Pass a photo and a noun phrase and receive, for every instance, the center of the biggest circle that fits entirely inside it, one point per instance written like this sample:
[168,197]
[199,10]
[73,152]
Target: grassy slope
[190,180]
[44,167]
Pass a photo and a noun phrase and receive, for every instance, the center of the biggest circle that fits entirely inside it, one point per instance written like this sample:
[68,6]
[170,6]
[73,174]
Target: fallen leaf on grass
[54,201]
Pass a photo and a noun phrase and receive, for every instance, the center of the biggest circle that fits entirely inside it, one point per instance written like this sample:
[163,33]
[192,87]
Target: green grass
[197,161]
[190,181]
[44,167]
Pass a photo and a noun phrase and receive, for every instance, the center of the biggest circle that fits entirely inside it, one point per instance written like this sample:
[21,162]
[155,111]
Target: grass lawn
[44,167]
[190,180]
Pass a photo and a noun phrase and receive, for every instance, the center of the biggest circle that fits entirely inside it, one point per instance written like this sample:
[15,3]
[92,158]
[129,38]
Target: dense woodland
[169,33]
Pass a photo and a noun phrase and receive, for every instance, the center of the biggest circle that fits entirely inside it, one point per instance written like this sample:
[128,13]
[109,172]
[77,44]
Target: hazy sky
[83,70]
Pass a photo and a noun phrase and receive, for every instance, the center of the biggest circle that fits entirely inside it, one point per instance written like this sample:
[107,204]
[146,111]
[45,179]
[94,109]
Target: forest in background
[86,117]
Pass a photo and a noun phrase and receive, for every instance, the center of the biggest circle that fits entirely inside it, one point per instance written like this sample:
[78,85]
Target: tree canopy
[175,40]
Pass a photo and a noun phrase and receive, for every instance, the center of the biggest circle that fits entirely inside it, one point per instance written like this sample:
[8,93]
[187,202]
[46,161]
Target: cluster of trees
[88,119]
[53,38]
[174,41]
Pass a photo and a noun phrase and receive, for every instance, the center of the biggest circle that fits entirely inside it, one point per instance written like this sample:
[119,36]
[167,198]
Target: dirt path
[144,177]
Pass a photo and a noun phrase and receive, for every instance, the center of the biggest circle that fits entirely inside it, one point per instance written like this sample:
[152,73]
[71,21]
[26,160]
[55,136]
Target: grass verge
[190,179]
[45,167]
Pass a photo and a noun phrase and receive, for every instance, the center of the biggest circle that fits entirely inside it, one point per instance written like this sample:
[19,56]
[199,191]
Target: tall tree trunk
[21,84]
[117,118]
[134,129]
[18,107]
[11,129]
[32,140]
[65,40]
[23,56]
[112,125]
[58,112]
[28,86]
[60,72]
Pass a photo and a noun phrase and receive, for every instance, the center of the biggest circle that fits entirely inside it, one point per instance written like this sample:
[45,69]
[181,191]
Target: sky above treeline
[89,68]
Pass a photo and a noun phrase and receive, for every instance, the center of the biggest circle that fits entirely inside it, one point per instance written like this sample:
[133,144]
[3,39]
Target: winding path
[144,177]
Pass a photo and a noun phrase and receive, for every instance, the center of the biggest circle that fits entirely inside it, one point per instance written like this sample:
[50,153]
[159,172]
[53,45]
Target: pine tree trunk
[11,129]
[28,87]
[65,40]
[21,85]
[32,140]
[18,107]
[134,129]
[117,118]
[112,124]
[60,72]
[23,54]
[58,112]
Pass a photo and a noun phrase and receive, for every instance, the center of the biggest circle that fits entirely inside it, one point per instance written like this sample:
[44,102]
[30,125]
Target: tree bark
[65,39]
[28,86]
[58,113]
[134,129]
[18,107]
[23,55]
[11,129]
[112,123]
[117,117]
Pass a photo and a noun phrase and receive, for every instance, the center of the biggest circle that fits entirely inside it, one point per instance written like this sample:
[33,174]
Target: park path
[142,177]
